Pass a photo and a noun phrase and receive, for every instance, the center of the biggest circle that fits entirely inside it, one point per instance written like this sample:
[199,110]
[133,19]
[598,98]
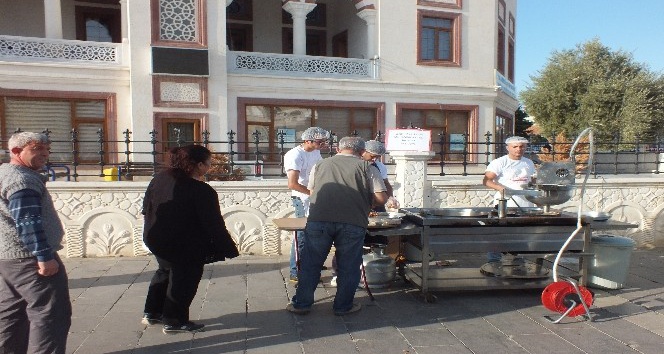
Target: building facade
[257,66]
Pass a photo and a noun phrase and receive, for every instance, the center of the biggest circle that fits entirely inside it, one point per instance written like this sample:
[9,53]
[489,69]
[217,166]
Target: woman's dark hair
[185,158]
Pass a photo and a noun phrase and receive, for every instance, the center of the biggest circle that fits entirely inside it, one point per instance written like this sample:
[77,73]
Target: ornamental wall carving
[103,219]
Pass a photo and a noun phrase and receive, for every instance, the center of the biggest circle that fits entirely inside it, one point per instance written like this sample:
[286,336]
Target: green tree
[521,122]
[593,86]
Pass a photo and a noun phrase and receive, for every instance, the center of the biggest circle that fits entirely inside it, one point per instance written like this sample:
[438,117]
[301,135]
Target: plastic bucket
[609,268]
[111,174]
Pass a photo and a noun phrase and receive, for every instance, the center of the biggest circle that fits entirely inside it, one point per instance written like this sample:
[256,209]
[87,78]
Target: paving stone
[242,303]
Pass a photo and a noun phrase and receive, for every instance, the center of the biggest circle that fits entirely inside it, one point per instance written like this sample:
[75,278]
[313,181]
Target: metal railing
[615,157]
[73,158]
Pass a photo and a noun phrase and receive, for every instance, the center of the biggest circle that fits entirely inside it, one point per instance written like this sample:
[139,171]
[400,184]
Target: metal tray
[597,215]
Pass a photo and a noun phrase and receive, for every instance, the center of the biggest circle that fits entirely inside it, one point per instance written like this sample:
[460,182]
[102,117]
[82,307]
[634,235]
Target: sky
[545,26]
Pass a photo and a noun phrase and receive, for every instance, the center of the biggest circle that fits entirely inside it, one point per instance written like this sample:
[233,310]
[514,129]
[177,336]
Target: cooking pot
[551,194]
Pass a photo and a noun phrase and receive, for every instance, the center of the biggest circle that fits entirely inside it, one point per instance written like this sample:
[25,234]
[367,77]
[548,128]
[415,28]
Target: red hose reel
[567,298]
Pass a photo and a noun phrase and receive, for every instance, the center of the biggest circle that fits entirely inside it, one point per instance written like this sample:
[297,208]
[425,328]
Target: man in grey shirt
[343,189]
[35,311]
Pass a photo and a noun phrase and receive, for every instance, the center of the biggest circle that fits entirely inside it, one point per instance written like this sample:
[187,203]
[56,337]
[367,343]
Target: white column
[299,11]
[228,2]
[369,16]
[123,19]
[53,19]
[411,187]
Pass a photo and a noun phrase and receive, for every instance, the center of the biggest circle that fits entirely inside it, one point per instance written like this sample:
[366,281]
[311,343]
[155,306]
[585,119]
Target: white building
[221,65]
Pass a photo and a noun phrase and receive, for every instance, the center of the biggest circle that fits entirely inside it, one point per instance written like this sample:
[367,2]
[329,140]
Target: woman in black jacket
[184,229]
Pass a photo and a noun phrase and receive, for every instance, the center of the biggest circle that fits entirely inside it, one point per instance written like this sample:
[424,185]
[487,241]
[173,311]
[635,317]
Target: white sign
[505,85]
[408,140]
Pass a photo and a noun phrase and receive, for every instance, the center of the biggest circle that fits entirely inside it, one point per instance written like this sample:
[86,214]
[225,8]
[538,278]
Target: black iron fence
[74,158]
[464,157]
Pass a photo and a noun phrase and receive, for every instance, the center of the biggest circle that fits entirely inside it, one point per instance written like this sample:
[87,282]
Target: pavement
[242,304]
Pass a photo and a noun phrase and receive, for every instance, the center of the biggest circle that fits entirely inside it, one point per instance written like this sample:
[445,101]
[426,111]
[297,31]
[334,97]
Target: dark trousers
[35,311]
[172,290]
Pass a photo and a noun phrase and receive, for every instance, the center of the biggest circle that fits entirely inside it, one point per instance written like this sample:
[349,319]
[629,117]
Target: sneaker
[333,282]
[291,308]
[151,318]
[189,327]
[293,279]
[356,307]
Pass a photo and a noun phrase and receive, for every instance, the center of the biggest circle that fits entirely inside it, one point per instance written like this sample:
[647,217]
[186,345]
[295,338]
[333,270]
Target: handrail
[60,50]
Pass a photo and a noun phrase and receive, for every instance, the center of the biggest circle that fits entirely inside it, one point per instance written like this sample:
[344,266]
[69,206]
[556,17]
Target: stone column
[123,20]
[53,19]
[228,2]
[299,11]
[411,178]
[369,16]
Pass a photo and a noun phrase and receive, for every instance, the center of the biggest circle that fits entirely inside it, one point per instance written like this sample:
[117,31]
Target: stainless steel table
[536,235]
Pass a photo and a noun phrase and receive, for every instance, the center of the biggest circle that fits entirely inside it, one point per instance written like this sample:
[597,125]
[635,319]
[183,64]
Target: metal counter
[537,235]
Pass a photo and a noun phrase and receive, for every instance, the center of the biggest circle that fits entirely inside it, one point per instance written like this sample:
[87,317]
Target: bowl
[597,215]
[552,194]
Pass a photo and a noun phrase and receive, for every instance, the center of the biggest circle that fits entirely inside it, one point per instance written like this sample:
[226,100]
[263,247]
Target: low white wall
[104,218]
[630,198]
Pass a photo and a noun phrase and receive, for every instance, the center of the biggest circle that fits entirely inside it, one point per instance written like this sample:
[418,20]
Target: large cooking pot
[551,194]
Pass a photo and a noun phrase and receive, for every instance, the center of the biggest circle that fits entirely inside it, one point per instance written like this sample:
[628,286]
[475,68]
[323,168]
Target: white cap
[516,139]
[374,147]
[315,133]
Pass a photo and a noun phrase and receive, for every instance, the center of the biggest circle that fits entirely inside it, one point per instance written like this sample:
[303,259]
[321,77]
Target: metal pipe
[591,150]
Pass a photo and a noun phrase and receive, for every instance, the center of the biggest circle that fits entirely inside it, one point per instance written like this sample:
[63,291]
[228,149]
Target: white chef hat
[516,139]
[374,147]
[315,133]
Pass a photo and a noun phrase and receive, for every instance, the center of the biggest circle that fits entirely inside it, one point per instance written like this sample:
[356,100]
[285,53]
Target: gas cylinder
[379,268]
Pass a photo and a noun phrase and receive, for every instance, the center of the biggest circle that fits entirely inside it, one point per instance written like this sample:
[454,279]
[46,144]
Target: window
[239,29]
[98,24]
[59,116]
[239,37]
[240,10]
[181,23]
[262,122]
[510,60]
[505,43]
[452,122]
[500,55]
[171,126]
[510,49]
[504,127]
[439,38]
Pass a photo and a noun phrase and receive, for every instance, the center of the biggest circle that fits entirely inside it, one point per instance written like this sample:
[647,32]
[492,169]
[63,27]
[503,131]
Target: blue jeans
[299,213]
[348,241]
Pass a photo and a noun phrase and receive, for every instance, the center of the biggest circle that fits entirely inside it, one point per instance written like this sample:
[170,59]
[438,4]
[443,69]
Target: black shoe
[293,279]
[151,318]
[189,327]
